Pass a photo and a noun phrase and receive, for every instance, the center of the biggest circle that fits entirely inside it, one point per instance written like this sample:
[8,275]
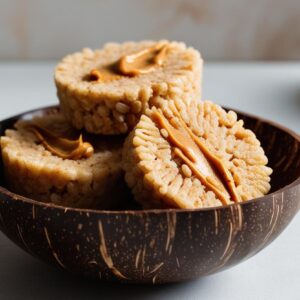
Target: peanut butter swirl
[62,147]
[104,74]
[208,168]
[142,62]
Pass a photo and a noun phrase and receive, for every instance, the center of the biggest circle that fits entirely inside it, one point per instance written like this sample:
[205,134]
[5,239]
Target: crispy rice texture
[158,179]
[115,107]
[32,171]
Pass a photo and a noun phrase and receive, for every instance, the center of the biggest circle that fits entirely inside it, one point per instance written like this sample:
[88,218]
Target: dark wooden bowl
[159,246]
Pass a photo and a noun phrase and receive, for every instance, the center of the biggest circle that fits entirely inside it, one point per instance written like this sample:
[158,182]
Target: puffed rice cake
[115,106]
[33,171]
[160,179]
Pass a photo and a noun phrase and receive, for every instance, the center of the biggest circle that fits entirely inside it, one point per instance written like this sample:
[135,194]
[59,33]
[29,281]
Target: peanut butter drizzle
[62,147]
[142,62]
[209,169]
[104,74]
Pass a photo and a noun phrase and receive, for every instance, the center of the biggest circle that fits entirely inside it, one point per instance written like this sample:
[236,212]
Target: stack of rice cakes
[179,152]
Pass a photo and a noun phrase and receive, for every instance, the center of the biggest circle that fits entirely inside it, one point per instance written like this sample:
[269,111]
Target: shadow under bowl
[158,246]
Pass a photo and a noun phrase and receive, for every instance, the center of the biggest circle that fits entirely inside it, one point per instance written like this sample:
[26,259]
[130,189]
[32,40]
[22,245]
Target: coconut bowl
[158,246]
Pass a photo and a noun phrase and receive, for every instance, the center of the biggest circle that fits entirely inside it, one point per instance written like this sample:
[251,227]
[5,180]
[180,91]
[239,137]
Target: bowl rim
[30,201]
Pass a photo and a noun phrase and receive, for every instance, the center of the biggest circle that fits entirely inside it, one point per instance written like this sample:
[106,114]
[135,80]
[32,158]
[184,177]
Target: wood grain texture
[258,29]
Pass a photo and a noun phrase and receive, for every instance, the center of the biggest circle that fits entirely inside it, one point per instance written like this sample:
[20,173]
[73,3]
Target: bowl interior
[281,145]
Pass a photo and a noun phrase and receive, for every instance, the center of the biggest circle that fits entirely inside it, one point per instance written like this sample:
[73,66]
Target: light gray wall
[220,29]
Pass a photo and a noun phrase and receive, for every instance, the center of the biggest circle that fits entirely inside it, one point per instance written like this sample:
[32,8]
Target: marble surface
[231,29]
[269,90]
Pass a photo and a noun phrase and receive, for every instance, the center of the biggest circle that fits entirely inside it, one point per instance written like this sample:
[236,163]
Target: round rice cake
[105,91]
[193,157]
[34,171]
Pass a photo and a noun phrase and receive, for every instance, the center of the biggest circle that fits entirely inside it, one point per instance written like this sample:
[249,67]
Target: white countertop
[269,90]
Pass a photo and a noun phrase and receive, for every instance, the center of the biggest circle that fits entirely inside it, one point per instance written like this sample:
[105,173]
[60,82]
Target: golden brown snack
[85,180]
[105,91]
[193,157]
